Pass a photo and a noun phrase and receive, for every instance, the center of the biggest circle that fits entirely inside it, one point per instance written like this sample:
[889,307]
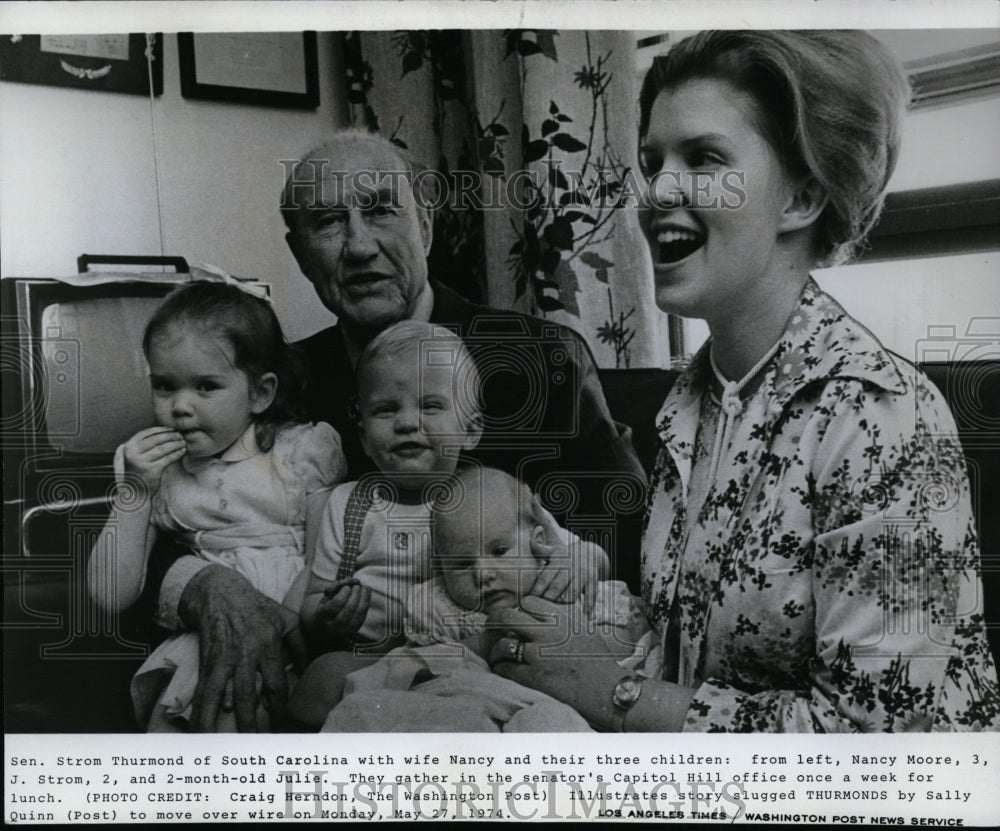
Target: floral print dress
[826,579]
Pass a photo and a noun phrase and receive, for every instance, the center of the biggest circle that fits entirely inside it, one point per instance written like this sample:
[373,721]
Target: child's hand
[574,566]
[343,608]
[149,452]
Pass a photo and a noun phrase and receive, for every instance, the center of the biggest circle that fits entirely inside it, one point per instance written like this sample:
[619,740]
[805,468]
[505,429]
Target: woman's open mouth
[676,244]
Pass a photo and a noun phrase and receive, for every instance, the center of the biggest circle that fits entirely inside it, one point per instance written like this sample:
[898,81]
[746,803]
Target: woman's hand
[558,656]
[573,565]
[149,452]
[550,648]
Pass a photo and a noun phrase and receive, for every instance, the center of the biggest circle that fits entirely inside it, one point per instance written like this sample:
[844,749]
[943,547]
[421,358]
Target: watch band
[624,696]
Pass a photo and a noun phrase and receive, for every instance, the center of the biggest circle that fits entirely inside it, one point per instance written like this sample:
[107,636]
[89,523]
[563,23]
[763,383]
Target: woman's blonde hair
[829,103]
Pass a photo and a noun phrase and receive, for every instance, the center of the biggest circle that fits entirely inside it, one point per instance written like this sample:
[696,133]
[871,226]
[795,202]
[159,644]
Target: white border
[221,15]
[97,17]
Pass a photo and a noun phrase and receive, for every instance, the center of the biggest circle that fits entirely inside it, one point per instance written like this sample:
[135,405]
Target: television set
[74,376]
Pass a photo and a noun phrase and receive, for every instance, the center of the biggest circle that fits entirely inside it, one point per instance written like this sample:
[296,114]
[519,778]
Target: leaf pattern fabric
[828,581]
[529,134]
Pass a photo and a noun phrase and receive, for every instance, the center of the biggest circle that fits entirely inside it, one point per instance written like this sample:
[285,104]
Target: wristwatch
[626,693]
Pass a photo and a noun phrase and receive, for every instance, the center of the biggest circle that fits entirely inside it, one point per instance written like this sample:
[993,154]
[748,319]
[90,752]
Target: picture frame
[108,63]
[274,69]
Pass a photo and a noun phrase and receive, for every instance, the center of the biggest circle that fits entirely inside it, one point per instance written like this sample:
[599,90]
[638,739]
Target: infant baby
[483,544]
[483,530]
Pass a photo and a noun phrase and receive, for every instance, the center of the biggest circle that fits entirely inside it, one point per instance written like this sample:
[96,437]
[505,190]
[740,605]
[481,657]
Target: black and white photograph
[411,375]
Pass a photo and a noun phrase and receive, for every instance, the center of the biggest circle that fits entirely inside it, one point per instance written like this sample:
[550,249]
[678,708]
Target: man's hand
[149,452]
[343,609]
[240,637]
[573,565]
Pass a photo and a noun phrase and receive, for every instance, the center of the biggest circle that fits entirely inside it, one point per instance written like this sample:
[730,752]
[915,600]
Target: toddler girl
[227,471]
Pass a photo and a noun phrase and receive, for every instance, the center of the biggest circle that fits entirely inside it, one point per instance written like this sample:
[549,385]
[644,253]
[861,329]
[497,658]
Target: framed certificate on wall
[276,69]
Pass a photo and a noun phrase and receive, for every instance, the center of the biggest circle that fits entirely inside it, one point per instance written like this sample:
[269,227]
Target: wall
[78,174]
[945,145]
[901,301]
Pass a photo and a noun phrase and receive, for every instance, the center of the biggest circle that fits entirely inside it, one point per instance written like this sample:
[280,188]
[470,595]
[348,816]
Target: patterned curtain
[533,131]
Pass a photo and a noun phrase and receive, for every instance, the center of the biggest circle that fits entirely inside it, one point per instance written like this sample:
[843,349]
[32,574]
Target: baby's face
[410,426]
[487,561]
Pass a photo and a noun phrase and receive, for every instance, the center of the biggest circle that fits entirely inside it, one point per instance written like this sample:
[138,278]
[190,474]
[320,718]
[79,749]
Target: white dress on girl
[245,510]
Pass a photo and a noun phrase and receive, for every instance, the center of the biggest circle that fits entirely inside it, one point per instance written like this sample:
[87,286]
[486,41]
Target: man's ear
[292,241]
[806,202]
[474,431]
[301,252]
[425,218]
[263,392]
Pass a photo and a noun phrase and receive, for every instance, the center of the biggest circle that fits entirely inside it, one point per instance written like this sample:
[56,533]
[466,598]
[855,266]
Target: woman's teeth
[676,244]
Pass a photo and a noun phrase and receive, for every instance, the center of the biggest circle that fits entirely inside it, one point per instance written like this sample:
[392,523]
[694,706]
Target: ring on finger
[512,648]
[519,652]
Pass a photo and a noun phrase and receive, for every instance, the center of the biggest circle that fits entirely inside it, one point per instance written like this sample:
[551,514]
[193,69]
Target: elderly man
[361,236]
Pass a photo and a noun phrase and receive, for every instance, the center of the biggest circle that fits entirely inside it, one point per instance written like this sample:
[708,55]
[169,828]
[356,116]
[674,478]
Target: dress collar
[820,341]
[240,450]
